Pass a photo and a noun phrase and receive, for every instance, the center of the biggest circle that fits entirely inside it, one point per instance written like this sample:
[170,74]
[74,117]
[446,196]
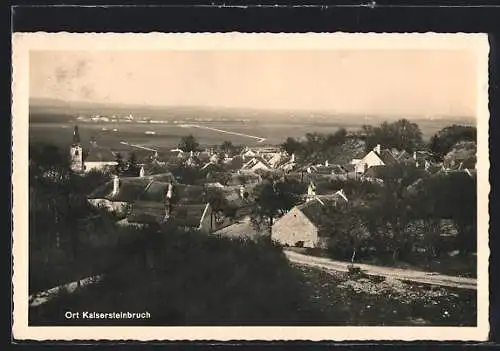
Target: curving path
[395,273]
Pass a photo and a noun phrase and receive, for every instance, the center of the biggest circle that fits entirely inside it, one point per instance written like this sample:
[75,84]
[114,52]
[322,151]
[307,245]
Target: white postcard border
[23,43]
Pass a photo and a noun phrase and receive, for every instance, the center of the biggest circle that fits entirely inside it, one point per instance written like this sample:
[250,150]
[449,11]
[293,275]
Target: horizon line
[263,109]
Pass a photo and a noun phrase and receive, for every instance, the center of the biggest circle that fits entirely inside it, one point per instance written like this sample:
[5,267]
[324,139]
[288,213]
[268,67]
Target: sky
[423,83]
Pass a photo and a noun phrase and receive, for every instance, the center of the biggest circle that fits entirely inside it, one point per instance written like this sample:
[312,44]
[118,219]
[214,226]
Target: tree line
[400,135]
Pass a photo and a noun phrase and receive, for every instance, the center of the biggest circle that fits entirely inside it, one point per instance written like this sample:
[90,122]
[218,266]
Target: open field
[169,135]
[208,133]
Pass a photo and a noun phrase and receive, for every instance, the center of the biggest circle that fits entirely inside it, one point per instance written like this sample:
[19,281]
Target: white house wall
[117,207]
[370,160]
[98,166]
[294,227]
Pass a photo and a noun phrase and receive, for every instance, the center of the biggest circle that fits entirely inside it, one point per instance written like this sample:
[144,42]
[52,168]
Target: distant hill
[67,110]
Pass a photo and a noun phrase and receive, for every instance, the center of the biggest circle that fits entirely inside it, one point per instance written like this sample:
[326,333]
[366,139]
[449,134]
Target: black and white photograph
[252,181]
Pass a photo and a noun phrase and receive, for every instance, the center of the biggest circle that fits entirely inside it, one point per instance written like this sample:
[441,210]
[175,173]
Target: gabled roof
[182,193]
[401,155]
[164,177]
[129,190]
[387,157]
[317,210]
[244,178]
[254,161]
[183,215]
[333,169]
[98,154]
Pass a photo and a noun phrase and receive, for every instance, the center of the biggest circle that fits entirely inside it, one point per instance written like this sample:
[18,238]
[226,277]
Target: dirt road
[394,273]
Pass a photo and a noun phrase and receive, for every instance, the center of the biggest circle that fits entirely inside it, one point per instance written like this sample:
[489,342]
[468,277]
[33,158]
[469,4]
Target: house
[248,153]
[118,194]
[244,178]
[308,224]
[464,153]
[186,216]
[188,207]
[99,159]
[374,174]
[204,156]
[210,167]
[167,177]
[192,160]
[376,157]
[256,163]
[329,171]
[286,164]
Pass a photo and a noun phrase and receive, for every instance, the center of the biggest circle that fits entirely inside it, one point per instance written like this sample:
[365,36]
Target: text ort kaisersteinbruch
[106,315]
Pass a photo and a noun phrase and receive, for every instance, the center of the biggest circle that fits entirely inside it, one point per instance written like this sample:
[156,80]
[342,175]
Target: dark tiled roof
[387,157]
[375,171]
[243,178]
[163,177]
[146,212]
[188,215]
[98,154]
[182,194]
[154,212]
[130,189]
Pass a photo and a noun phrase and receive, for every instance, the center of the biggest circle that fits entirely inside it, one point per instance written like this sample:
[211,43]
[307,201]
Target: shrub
[189,278]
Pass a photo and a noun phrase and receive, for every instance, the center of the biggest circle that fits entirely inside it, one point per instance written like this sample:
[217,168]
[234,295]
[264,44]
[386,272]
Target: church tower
[76,152]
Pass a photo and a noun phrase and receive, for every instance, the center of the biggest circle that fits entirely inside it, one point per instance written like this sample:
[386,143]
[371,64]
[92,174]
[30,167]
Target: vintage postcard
[250,186]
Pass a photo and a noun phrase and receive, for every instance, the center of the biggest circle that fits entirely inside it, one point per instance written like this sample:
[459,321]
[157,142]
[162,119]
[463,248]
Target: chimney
[116,185]
[170,191]
[377,149]
[292,159]
[415,155]
[141,172]
[326,163]
[242,191]
[191,153]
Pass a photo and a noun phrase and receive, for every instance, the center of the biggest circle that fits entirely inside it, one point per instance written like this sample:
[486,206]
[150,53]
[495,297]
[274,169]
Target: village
[187,187]
[328,202]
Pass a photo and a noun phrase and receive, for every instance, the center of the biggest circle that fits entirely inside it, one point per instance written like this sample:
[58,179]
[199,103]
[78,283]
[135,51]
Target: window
[76,152]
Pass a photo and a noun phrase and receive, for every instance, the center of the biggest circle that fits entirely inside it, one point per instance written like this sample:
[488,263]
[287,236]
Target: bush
[192,279]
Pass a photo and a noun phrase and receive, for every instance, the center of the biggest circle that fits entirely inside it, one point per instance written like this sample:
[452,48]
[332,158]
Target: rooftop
[129,190]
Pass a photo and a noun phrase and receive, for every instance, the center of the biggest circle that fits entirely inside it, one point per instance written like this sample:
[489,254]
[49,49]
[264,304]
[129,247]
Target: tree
[454,197]
[402,135]
[389,213]
[275,198]
[443,141]
[227,147]
[336,139]
[187,175]
[189,143]
[348,238]
[47,159]
[463,152]
[291,146]
[131,168]
[120,163]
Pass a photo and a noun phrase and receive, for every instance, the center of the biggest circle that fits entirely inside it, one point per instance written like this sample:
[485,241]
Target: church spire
[76,136]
